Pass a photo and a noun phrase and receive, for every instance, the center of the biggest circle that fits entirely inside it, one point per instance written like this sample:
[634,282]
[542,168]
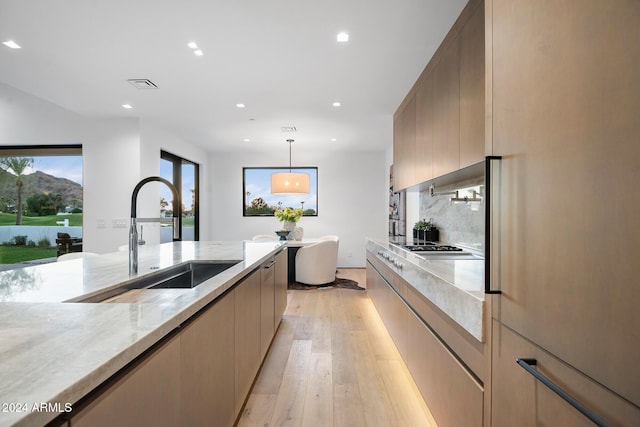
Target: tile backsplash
[459,223]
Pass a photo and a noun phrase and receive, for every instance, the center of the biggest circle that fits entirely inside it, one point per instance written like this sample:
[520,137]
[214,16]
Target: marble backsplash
[459,223]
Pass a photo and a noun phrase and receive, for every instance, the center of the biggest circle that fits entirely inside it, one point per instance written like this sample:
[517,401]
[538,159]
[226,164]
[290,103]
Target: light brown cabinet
[454,397]
[404,147]
[425,123]
[207,353]
[452,392]
[472,99]
[565,100]
[520,399]
[392,310]
[267,305]
[439,127]
[247,336]
[281,284]
[146,393]
[446,132]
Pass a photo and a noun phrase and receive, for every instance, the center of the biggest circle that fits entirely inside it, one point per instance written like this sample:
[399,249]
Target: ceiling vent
[143,84]
[288,129]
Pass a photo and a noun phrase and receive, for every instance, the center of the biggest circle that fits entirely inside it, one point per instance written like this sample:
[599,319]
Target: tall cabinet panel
[566,97]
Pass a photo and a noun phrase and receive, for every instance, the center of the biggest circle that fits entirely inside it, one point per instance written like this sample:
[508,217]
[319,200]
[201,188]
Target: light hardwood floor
[332,363]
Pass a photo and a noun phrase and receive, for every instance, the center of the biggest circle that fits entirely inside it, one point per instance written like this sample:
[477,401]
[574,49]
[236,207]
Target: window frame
[276,169]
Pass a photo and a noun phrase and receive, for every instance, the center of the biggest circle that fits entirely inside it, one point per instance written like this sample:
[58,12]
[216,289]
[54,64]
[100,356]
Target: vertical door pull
[487,225]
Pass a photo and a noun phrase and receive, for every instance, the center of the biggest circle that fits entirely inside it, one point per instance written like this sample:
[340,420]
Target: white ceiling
[278,57]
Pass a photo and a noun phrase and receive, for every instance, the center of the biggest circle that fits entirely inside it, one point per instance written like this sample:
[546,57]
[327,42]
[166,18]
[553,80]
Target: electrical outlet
[119,223]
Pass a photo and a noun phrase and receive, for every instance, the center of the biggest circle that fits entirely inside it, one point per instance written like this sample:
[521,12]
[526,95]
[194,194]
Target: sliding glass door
[184,175]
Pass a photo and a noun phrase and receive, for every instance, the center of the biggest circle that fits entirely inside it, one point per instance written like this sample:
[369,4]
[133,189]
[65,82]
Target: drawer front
[453,396]
[518,398]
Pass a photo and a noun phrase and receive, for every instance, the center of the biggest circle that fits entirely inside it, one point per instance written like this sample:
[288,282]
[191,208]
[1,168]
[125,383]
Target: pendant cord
[290,141]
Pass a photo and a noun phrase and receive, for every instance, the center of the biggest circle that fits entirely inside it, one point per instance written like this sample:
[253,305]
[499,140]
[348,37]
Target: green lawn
[10,219]
[13,254]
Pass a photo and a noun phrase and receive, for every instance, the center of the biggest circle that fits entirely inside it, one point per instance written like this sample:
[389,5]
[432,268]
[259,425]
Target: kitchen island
[56,350]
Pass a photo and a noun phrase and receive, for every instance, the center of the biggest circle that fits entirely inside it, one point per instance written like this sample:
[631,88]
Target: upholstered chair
[316,263]
[261,237]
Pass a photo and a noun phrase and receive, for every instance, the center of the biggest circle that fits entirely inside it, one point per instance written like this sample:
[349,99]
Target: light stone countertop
[454,284]
[52,351]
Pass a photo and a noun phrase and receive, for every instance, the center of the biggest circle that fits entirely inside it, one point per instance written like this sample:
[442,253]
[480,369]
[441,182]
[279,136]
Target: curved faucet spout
[133,232]
[136,189]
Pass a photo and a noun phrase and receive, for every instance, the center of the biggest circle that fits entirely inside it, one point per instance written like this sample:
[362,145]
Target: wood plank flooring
[332,363]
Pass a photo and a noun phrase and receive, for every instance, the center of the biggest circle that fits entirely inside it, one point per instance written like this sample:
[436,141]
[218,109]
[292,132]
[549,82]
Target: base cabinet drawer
[518,398]
[129,402]
[454,397]
[391,308]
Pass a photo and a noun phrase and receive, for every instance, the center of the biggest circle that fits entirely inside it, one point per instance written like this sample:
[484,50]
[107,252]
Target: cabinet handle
[487,225]
[271,264]
[527,365]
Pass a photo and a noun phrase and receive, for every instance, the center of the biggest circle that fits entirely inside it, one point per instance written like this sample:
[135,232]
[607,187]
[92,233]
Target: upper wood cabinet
[424,129]
[472,100]
[439,127]
[446,131]
[404,141]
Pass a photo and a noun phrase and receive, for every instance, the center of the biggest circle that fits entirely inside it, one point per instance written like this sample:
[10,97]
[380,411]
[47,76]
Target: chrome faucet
[133,231]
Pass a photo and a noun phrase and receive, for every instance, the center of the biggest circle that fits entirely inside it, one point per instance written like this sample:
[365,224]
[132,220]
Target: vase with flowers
[289,217]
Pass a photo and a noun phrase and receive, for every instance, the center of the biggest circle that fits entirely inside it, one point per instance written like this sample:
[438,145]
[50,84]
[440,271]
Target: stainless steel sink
[187,275]
[182,276]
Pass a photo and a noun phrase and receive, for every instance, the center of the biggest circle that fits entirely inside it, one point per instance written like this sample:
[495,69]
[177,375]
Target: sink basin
[187,275]
[183,276]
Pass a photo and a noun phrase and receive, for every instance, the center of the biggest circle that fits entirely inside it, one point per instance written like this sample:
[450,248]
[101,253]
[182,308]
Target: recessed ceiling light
[333,139]
[11,44]
[198,52]
[240,105]
[342,37]
[127,106]
[336,104]
[246,140]
[192,45]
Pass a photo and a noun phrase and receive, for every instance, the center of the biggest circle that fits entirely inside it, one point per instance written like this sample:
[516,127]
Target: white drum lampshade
[289,183]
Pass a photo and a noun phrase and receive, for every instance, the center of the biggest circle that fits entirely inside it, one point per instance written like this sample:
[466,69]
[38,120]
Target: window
[184,175]
[257,197]
[40,202]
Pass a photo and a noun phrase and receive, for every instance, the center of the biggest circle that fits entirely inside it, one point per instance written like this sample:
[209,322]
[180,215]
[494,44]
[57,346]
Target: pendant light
[289,183]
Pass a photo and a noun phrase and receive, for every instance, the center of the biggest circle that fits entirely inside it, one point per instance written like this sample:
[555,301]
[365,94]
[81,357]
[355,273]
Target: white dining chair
[316,264]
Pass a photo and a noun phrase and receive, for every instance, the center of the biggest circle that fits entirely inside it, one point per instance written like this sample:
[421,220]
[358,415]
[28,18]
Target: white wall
[352,198]
[117,153]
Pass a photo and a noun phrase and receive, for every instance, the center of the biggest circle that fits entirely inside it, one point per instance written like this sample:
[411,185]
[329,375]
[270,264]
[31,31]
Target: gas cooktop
[432,247]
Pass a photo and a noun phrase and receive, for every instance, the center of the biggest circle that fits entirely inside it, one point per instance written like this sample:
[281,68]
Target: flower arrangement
[288,214]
